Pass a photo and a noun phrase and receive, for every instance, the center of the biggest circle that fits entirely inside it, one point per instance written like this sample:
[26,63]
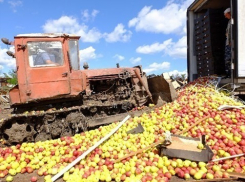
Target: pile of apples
[224,130]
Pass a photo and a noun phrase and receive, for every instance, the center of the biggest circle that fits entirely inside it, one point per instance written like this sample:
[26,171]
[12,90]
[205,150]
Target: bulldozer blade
[162,90]
[138,129]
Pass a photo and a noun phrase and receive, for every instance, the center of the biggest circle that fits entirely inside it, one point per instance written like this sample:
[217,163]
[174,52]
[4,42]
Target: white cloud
[14,4]
[5,60]
[178,73]
[174,49]
[86,16]
[119,34]
[94,13]
[153,48]
[66,24]
[178,49]
[157,66]
[93,35]
[135,60]
[169,19]
[1,1]
[119,57]
[88,54]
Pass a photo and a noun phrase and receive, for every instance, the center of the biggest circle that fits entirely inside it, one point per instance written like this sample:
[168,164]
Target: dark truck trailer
[206,28]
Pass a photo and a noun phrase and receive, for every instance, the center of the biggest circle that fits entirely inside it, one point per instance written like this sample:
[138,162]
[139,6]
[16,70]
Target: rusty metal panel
[20,63]
[14,95]
[48,74]
[77,82]
[47,82]
[159,87]
[47,90]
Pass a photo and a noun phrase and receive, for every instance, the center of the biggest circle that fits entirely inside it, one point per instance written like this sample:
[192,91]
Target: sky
[129,32]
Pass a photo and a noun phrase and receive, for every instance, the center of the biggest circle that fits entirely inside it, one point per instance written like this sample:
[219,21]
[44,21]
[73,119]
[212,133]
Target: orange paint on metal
[47,82]
[14,95]
[77,79]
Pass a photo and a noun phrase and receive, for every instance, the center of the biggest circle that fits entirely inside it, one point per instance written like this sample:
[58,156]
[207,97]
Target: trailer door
[238,37]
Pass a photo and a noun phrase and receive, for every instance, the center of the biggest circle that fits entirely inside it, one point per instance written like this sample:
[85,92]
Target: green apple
[193,164]
[200,146]
[187,176]
[201,164]
[209,176]
[9,178]
[216,168]
[221,152]
[198,175]
[167,163]
[174,164]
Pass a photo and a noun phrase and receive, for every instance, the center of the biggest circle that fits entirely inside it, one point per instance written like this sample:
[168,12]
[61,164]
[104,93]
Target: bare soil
[26,177]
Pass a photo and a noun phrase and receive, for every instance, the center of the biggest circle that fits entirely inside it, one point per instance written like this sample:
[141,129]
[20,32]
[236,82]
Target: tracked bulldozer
[54,98]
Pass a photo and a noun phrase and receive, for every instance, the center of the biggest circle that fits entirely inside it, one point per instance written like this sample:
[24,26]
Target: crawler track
[43,125]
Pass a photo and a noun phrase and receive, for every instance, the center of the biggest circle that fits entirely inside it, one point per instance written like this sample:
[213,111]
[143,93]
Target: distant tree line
[180,77]
[11,77]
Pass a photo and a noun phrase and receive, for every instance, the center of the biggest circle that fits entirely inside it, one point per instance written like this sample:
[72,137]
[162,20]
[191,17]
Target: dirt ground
[27,178]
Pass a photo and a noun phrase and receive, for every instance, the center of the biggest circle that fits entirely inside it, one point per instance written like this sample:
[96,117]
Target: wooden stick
[159,142]
[89,150]
[139,151]
[196,123]
[224,158]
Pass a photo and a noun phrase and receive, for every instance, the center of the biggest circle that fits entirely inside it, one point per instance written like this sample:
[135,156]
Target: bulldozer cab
[44,64]
[48,69]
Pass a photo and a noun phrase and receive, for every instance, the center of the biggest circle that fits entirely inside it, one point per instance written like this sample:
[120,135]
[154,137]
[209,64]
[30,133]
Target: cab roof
[51,35]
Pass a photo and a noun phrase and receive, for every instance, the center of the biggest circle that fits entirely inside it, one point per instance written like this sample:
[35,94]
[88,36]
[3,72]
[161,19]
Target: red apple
[33,179]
